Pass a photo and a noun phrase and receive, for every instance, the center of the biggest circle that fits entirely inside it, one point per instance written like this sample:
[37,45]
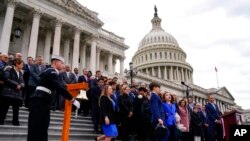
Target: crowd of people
[119,110]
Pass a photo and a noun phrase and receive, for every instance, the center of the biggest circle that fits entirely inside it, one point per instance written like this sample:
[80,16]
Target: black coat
[125,105]
[11,81]
[196,124]
[107,109]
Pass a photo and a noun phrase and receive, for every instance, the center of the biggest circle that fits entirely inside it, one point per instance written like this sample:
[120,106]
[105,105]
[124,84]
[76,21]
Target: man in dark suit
[205,125]
[213,115]
[158,114]
[84,77]
[85,104]
[26,75]
[67,76]
[35,70]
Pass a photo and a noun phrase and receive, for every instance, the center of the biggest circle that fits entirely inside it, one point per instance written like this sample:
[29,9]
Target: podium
[73,90]
[231,118]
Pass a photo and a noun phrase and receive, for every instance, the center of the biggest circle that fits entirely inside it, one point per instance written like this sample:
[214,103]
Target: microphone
[183,83]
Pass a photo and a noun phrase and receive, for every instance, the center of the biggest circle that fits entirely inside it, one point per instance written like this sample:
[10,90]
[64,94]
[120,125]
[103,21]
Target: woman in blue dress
[170,111]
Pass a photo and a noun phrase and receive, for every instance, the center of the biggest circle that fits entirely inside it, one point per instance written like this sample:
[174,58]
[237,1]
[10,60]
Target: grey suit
[68,79]
[35,71]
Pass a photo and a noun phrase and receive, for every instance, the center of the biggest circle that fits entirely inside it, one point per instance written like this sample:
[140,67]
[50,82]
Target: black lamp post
[187,90]
[131,72]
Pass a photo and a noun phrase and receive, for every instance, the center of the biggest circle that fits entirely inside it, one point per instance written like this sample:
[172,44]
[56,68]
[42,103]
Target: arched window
[155,55]
[150,56]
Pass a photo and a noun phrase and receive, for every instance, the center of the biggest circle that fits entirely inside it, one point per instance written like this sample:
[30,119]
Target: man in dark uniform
[39,112]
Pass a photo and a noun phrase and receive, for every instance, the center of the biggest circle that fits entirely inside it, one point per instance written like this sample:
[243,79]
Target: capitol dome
[156,36]
[159,55]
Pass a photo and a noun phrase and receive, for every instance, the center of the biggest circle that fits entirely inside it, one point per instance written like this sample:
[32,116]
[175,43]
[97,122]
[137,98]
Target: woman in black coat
[126,113]
[196,124]
[11,93]
[107,115]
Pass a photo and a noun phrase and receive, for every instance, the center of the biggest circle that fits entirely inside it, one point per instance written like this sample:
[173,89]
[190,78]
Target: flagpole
[217,76]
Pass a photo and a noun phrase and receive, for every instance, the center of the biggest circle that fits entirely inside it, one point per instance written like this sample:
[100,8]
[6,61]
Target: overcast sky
[211,32]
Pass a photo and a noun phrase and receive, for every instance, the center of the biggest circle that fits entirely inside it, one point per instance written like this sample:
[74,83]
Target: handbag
[160,130]
[110,130]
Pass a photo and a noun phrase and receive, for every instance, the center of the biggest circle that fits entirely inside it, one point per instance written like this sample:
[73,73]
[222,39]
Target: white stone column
[153,71]
[26,39]
[110,62]
[57,37]
[76,49]
[83,57]
[93,55]
[159,72]
[182,74]
[147,71]
[98,59]
[113,66]
[165,72]
[186,75]
[7,26]
[122,66]
[46,54]
[34,34]
[66,50]
[171,73]
[177,74]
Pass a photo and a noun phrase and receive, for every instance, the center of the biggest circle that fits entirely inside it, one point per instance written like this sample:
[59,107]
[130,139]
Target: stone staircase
[81,128]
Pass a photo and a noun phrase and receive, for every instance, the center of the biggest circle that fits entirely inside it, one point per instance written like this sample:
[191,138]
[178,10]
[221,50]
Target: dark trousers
[126,128]
[39,118]
[4,106]
[29,91]
[95,116]
[215,132]
[185,136]
[204,137]
[163,137]
[172,135]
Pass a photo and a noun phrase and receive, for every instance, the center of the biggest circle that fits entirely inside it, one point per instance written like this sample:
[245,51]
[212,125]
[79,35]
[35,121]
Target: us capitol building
[160,58]
[61,27]
[67,28]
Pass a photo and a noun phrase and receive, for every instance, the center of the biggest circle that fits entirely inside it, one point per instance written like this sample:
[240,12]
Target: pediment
[76,7]
[224,92]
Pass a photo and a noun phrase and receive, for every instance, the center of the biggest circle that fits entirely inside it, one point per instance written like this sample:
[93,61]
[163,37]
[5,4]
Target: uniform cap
[57,57]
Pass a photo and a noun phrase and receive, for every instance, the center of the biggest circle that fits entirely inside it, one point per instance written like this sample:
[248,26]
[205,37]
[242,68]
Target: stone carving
[77,8]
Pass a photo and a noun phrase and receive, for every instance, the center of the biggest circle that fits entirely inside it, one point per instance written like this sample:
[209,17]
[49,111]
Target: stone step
[23,129]
[52,118]
[52,136]
[52,113]
[24,122]
[81,128]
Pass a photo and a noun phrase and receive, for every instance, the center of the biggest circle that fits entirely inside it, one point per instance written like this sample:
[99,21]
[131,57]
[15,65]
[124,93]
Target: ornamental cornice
[37,13]
[75,7]
[12,3]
